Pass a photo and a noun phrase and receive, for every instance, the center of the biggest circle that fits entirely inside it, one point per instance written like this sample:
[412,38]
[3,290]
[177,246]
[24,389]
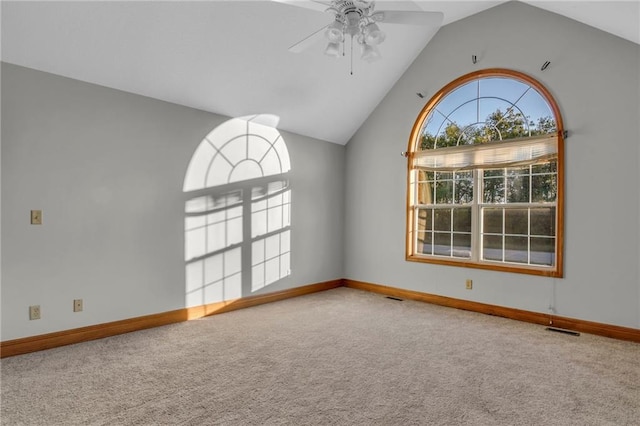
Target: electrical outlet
[469,284]
[77,305]
[34,312]
[36,217]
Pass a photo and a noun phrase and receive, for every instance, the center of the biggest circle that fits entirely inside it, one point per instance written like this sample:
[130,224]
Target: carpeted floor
[340,357]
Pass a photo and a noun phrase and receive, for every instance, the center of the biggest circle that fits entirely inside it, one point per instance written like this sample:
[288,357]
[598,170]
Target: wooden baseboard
[607,330]
[99,331]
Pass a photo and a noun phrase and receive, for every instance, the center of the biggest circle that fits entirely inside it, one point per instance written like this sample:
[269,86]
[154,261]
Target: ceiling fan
[358,21]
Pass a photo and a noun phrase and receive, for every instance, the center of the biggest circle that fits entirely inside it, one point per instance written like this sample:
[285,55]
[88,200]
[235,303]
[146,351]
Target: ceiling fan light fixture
[335,32]
[333,50]
[370,53]
[373,35]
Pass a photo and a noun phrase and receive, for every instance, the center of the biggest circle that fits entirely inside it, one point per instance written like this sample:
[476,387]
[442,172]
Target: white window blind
[514,152]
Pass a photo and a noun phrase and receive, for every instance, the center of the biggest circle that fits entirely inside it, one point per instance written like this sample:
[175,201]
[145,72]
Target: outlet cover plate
[36,217]
[34,312]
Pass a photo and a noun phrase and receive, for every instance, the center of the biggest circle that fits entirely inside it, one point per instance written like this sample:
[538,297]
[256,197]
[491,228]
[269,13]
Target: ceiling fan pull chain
[351,56]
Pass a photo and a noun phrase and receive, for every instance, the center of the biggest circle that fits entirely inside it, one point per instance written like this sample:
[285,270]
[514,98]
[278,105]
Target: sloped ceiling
[231,57]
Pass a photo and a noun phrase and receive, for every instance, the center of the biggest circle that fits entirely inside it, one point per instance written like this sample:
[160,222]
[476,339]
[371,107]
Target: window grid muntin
[504,234]
[447,117]
[477,218]
[446,111]
[551,123]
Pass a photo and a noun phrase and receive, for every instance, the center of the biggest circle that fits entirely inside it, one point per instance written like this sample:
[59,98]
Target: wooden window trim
[414,139]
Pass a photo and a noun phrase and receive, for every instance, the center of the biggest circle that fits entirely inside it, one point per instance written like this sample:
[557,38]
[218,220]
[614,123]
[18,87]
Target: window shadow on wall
[237,213]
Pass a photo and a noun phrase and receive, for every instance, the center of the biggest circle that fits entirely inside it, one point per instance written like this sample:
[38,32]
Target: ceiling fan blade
[318,5]
[411,17]
[306,42]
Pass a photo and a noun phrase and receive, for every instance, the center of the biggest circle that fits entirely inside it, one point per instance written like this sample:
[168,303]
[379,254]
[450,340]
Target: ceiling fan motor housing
[353,15]
[358,19]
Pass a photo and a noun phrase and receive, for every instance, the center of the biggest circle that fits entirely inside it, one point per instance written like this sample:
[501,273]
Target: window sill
[555,272]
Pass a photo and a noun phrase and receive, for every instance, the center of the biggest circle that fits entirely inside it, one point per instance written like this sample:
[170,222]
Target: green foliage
[498,125]
[504,185]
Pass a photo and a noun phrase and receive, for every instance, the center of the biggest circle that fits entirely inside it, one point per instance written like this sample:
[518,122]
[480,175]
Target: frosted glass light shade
[373,35]
[335,32]
[370,53]
[333,50]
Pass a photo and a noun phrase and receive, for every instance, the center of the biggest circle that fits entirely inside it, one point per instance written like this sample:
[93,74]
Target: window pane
[427,141]
[492,221]
[492,247]
[550,167]
[424,243]
[544,188]
[516,249]
[425,193]
[494,190]
[493,173]
[424,176]
[463,188]
[516,221]
[462,220]
[508,88]
[517,171]
[462,245]
[543,221]
[538,112]
[442,220]
[444,175]
[543,251]
[424,219]
[517,188]
[452,100]
[442,243]
[444,192]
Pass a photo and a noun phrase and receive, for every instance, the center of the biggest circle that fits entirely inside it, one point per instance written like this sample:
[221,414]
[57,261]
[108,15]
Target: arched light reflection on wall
[237,224]
[235,151]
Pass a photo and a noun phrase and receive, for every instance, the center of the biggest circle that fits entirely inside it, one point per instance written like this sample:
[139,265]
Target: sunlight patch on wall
[235,151]
[213,236]
[238,227]
[270,218]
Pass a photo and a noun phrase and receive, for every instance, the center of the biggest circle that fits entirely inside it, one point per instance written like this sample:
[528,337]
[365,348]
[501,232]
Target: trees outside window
[486,176]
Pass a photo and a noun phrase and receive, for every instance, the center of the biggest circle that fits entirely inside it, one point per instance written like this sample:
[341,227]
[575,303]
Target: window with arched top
[485,184]
[238,214]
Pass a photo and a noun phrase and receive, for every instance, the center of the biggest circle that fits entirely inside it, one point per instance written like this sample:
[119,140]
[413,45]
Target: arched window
[485,184]
[238,214]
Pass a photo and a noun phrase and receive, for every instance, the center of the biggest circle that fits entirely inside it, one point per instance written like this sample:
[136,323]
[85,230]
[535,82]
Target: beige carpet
[341,357]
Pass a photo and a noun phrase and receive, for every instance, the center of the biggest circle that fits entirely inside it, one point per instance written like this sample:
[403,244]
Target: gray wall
[594,77]
[107,169]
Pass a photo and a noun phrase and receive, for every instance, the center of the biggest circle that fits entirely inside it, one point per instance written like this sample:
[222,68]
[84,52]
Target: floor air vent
[562,330]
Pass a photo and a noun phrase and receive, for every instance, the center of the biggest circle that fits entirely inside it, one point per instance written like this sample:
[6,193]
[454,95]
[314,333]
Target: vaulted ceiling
[232,58]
